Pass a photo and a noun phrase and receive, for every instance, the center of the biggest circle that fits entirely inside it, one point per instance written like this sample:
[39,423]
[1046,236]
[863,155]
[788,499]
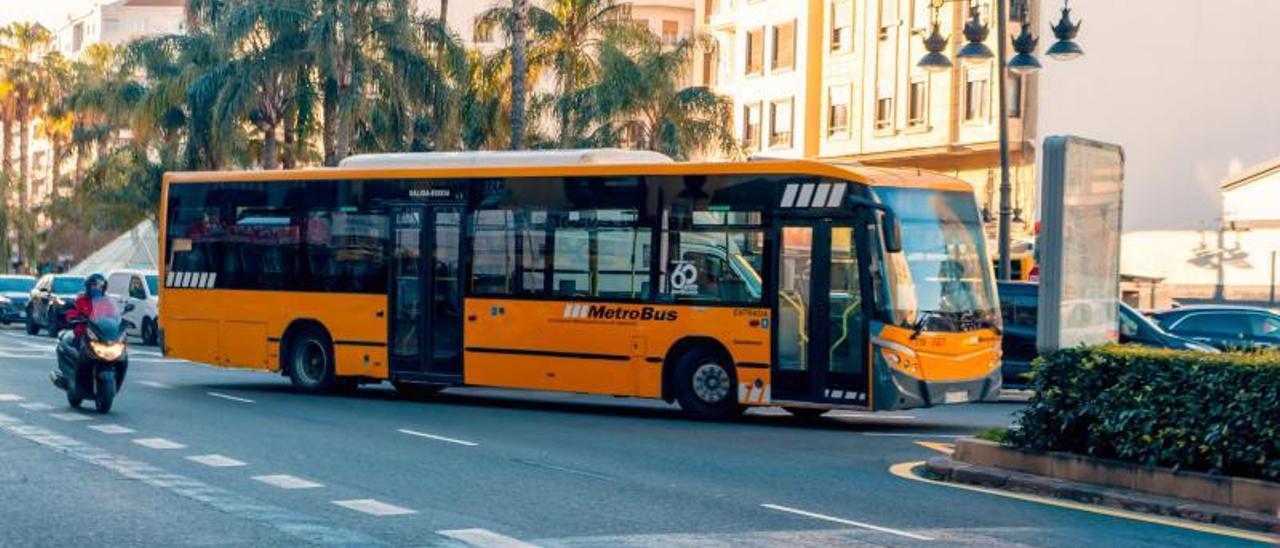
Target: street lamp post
[1023,63]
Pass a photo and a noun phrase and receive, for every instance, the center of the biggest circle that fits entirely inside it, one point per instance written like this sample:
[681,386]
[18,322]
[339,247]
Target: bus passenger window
[714,267]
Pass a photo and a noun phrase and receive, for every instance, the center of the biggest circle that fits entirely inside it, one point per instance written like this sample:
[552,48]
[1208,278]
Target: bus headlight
[899,356]
[107,351]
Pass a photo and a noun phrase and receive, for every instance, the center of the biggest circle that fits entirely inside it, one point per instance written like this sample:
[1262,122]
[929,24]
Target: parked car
[50,299]
[1019,306]
[139,288]
[1224,327]
[14,293]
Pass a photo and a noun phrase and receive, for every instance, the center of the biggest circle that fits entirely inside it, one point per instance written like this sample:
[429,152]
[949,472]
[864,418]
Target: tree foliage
[282,84]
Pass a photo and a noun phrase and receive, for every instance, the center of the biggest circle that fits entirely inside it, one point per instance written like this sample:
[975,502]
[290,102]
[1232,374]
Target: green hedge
[1217,413]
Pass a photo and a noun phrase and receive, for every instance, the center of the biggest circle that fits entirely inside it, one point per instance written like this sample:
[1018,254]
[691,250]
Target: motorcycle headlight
[107,351]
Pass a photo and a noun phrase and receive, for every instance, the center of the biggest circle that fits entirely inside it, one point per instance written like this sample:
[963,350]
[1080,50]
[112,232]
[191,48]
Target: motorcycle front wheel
[106,392]
[74,400]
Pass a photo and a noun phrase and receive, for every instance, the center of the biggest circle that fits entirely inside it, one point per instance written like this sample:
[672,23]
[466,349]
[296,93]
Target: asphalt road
[194,455]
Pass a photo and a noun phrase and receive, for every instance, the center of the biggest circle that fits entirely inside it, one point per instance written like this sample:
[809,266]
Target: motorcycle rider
[95,287]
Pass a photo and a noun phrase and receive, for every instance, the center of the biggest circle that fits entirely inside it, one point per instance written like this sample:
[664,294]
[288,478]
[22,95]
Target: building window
[780,121]
[1015,95]
[483,32]
[670,32]
[755,52]
[841,26]
[751,126]
[888,18]
[784,47]
[917,104]
[838,111]
[977,97]
[884,112]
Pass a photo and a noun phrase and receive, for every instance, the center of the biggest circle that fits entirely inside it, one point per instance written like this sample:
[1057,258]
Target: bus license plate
[959,396]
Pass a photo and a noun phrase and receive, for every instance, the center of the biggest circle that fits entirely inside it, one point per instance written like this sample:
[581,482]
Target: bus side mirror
[892,230]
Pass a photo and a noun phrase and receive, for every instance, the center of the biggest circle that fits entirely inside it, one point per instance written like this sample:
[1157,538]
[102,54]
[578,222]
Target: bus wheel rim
[311,361]
[711,383]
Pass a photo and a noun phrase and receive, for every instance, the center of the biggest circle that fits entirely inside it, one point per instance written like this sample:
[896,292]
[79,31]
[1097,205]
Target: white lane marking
[158,443]
[70,417]
[913,435]
[484,538]
[374,507]
[285,481]
[229,397]
[154,384]
[112,429]
[307,529]
[35,406]
[216,460]
[437,438]
[848,522]
[11,397]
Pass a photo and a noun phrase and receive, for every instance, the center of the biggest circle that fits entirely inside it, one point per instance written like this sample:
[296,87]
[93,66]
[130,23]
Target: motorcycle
[94,366]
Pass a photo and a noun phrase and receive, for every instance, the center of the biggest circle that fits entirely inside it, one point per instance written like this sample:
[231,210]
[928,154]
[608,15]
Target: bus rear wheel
[705,385]
[310,361]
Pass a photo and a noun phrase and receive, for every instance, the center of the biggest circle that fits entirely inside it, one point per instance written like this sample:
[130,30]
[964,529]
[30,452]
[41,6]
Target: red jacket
[83,309]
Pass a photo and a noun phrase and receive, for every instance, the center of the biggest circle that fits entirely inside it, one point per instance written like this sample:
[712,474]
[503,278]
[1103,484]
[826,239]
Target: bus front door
[821,329]
[426,294]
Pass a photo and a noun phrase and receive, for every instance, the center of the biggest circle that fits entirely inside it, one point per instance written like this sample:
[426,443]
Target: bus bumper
[913,392]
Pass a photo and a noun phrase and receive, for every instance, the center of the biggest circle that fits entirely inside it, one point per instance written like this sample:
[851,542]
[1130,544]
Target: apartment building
[120,21]
[670,19]
[837,79]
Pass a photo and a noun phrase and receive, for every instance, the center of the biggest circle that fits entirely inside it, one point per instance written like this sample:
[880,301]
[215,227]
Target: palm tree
[28,42]
[259,84]
[638,97]
[578,26]
[519,70]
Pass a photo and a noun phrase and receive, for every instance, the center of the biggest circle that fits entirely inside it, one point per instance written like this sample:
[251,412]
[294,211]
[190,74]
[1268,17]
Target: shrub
[1217,413]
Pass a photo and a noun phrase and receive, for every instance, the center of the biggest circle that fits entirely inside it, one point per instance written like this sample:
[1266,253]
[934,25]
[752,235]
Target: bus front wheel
[705,385]
[311,362]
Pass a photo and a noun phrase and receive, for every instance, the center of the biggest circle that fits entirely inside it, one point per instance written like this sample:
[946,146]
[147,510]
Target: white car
[139,288]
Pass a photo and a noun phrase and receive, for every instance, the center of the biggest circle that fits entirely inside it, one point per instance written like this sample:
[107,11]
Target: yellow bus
[797,284]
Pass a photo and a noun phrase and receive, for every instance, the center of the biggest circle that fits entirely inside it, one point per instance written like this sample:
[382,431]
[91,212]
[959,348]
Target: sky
[1187,87]
[50,13]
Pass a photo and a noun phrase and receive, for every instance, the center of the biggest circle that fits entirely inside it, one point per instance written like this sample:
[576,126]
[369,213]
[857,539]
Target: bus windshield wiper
[918,327]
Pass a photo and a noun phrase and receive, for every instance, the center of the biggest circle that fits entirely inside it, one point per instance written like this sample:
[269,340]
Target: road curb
[950,470]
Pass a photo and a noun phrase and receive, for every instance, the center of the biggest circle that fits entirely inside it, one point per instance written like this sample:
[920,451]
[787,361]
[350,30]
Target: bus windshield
[941,281]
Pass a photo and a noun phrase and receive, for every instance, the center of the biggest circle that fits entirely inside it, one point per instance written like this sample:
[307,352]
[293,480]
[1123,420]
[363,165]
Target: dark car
[14,292]
[50,299]
[1224,327]
[1019,306]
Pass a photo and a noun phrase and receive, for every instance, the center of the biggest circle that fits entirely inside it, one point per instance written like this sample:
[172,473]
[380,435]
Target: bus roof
[575,163]
[494,158]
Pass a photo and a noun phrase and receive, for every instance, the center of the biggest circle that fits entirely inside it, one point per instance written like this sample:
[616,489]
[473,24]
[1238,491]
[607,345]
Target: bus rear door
[425,327]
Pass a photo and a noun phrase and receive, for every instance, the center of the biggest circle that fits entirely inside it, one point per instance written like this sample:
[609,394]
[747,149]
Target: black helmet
[95,279]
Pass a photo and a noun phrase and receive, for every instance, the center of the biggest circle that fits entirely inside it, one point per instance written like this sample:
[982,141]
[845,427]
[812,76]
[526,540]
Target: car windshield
[16,285]
[153,283]
[66,285]
[942,280]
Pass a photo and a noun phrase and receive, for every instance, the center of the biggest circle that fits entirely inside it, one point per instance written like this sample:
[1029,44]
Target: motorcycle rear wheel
[74,400]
